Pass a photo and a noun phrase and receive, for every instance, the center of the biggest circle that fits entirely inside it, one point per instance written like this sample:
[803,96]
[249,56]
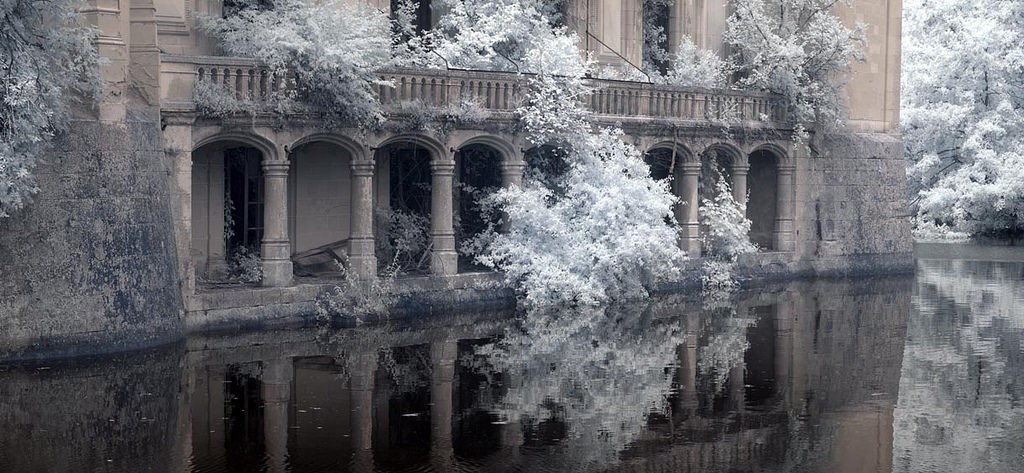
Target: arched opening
[547,164]
[762,204]
[477,174]
[402,223]
[227,207]
[716,164]
[663,162]
[320,180]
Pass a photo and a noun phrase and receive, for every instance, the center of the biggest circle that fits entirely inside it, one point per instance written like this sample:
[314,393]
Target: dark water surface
[894,374]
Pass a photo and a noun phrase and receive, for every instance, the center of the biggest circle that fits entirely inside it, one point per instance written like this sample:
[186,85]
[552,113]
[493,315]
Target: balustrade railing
[493,91]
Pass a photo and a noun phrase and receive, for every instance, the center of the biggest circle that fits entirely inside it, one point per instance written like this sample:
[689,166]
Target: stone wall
[851,206]
[89,265]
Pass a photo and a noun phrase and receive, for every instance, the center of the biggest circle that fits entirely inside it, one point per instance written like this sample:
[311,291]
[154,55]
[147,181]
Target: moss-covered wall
[90,264]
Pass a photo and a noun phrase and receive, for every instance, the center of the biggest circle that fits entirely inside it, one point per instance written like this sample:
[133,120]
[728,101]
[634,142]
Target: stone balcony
[499,93]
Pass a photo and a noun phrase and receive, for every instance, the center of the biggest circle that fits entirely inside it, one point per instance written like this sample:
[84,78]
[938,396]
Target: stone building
[296,189]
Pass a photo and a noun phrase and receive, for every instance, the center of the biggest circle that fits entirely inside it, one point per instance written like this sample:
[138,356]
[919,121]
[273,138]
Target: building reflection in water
[800,377]
[962,385]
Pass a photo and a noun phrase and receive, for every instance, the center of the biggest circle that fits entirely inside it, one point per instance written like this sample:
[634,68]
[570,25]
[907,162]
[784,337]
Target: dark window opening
[656,31]
[243,200]
[403,235]
[762,181]
[478,176]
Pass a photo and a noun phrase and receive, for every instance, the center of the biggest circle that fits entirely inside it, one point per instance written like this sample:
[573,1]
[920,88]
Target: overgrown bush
[357,298]
[47,62]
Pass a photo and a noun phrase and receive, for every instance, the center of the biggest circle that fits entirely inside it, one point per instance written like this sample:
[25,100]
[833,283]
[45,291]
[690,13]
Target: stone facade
[134,214]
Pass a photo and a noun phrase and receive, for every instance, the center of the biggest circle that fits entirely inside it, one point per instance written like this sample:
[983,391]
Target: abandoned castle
[142,205]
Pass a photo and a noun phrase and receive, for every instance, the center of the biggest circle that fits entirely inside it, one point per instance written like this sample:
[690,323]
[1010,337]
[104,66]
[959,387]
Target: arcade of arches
[325,201]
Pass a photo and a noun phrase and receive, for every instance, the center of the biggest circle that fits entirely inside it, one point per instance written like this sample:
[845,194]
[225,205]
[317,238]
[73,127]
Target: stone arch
[502,146]
[355,149]
[320,197]
[412,140]
[666,158]
[266,147]
[726,156]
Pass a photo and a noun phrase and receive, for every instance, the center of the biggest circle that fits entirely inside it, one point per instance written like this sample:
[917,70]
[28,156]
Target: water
[892,374]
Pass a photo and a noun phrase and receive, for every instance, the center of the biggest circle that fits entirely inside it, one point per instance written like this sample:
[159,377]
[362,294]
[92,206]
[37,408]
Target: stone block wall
[851,206]
[90,264]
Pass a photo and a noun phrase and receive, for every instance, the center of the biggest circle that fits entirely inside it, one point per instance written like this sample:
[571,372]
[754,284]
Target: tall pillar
[785,188]
[277,391]
[688,398]
[442,374]
[686,211]
[443,260]
[276,253]
[739,169]
[361,416]
[361,257]
[177,137]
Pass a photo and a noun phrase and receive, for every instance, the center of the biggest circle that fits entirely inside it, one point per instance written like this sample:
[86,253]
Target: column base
[444,263]
[277,273]
[689,240]
[782,237]
[363,266]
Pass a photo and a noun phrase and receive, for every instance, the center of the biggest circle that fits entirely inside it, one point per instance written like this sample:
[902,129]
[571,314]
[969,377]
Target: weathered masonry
[148,198]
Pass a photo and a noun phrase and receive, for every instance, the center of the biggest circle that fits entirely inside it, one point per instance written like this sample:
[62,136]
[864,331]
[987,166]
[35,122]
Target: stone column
[688,398]
[277,262]
[785,187]
[512,172]
[361,416]
[443,260]
[511,175]
[361,257]
[686,211]
[442,377]
[739,170]
[277,391]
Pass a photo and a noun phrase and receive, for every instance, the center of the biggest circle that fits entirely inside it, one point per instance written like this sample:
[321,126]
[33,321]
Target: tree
[46,62]
[596,232]
[962,119]
[334,67]
[798,49]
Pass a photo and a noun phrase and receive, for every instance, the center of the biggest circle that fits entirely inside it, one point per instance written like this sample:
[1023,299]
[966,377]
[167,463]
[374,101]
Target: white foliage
[600,370]
[46,62]
[799,49]
[331,49]
[694,67]
[604,239]
[962,118]
[603,235]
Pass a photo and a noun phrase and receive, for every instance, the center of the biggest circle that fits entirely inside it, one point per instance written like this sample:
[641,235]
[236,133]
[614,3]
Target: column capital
[362,167]
[275,167]
[786,168]
[690,167]
[442,166]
